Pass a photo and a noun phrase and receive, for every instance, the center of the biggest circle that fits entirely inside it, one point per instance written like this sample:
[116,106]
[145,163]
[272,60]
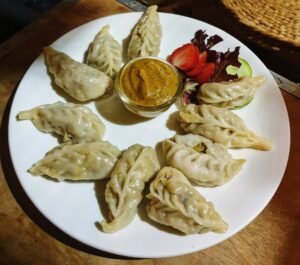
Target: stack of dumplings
[200,157]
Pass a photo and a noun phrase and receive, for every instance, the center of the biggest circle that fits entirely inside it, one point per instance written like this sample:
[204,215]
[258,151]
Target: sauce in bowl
[149,82]
[148,85]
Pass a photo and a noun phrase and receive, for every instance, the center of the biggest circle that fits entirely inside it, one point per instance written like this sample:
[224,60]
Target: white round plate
[76,207]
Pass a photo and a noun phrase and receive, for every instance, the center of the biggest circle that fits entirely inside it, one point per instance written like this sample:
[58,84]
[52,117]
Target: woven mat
[279,19]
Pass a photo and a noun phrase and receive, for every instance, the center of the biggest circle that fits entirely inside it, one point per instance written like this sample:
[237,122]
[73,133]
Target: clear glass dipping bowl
[145,110]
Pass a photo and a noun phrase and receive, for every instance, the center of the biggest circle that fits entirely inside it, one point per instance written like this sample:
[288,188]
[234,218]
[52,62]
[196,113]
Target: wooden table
[26,237]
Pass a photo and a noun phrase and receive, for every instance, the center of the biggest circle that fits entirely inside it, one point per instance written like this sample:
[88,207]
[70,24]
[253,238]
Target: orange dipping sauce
[149,81]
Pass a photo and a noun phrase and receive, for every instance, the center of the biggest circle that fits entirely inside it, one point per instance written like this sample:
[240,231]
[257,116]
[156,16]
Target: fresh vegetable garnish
[206,73]
[198,68]
[185,57]
[244,105]
[189,94]
[244,70]
[205,44]
[201,64]
[189,58]
[220,59]
[227,58]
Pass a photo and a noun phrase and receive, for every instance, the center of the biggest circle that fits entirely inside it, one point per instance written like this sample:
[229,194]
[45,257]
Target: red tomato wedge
[198,68]
[206,73]
[185,57]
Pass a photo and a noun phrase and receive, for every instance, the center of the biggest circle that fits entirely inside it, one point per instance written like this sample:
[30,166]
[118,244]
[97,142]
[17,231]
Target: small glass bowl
[145,110]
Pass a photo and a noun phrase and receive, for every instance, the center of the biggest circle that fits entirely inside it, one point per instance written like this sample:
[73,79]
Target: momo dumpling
[221,126]
[84,161]
[80,81]
[76,123]
[146,36]
[231,94]
[137,165]
[123,193]
[175,202]
[105,53]
[200,160]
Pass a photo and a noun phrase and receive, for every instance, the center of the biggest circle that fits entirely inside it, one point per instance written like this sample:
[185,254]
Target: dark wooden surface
[26,237]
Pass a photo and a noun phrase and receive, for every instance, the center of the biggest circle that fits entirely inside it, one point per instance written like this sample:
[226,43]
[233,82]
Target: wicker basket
[279,19]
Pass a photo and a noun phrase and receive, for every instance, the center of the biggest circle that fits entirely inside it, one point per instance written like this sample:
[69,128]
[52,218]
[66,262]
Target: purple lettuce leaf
[200,41]
[228,58]
[190,91]
[221,59]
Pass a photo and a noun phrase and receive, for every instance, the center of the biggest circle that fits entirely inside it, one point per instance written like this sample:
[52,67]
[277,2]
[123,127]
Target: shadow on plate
[113,110]
[125,45]
[28,207]
[99,189]
[173,124]
[160,154]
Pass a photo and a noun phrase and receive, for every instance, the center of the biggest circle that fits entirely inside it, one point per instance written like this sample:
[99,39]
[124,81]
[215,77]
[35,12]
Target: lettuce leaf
[221,59]
[200,40]
[189,93]
[228,58]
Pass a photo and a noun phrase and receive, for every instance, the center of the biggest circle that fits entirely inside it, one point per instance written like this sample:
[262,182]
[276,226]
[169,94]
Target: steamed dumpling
[221,126]
[74,122]
[231,94]
[105,53]
[123,193]
[202,161]
[84,161]
[146,36]
[174,202]
[80,81]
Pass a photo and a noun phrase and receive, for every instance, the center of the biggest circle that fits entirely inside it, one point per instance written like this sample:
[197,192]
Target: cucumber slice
[244,70]
[244,105]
